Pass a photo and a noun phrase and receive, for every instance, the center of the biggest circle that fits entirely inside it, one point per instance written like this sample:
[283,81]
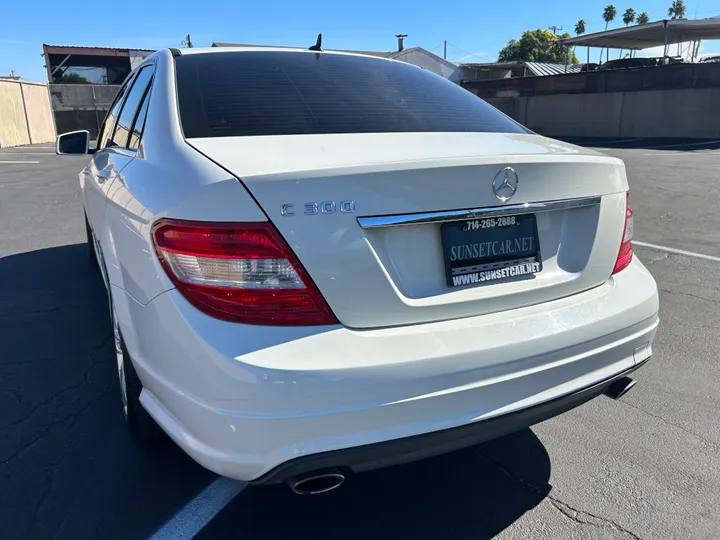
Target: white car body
[409,356]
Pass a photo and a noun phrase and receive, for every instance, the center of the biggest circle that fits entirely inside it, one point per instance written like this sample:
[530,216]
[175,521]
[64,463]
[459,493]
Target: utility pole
[187,42]
[554,29]
[445,50]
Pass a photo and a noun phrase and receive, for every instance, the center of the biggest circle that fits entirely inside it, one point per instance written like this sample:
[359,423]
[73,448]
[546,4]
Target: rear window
[230,94]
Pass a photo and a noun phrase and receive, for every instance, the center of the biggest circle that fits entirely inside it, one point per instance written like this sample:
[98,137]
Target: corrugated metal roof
[492,65]
[97,48]
[538,69]
[543,68]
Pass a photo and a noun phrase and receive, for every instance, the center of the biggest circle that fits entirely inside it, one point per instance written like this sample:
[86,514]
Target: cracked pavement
[646,467]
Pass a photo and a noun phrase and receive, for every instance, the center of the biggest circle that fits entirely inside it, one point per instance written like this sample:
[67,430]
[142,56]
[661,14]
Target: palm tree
[677,9]
[579,30]
[643,18]
[628,17]
[609,14]
[580,27]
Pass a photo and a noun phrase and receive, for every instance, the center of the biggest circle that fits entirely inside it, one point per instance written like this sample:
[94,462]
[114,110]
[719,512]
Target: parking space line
[678,251]
[19,161]
[200,511]
[678,153]
[613,141]
[685,145]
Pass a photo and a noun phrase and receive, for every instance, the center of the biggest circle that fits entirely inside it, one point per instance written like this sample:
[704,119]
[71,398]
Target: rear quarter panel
[166,179]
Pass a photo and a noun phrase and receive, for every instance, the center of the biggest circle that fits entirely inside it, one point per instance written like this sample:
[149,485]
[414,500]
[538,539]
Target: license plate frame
[479,240]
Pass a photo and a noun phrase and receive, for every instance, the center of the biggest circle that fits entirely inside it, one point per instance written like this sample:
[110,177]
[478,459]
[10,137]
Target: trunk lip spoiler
[423,218]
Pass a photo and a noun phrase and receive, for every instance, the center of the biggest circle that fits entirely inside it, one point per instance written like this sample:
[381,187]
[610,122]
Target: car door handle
[104,174]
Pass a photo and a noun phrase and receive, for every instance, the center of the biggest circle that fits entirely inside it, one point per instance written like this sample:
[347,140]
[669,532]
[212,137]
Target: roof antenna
[318,44]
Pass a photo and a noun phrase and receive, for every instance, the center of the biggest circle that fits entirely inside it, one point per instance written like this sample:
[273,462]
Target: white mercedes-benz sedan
[320,263]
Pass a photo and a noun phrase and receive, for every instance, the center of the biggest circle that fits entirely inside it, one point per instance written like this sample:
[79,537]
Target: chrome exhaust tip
[620,387]
[316,482]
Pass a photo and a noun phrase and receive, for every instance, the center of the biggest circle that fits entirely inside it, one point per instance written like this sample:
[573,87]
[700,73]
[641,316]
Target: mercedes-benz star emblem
[505,184]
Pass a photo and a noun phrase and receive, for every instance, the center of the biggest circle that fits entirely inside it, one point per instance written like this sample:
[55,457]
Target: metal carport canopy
[655,34]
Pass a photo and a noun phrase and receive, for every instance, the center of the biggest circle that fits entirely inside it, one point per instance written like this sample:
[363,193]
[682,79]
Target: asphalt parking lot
[645,467]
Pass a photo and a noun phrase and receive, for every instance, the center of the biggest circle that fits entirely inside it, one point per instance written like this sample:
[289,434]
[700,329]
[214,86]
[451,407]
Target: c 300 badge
[325,207]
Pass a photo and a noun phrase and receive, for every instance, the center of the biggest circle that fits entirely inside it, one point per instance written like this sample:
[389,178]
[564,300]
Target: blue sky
[476,30]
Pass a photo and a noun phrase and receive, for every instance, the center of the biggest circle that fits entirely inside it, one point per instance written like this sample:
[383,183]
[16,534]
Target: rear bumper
[244,401]
[398,451]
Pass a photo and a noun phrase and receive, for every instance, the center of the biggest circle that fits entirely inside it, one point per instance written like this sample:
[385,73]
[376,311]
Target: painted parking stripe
[684,145]
[24,161]
[614,141]
[677,153]
[678,251]
[200,511]
[48,153]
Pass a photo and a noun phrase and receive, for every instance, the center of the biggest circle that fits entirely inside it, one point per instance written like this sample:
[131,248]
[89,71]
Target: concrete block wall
[39,114]
[13,126]
[672,113]
[690,112]
[25,114]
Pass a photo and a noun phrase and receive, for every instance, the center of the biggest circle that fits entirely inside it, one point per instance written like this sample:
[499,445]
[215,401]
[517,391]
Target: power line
[468,53]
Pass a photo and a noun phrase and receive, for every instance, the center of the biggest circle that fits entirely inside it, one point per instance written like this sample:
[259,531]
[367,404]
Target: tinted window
[131,106]
[105,136]
[139,125]
[275,93]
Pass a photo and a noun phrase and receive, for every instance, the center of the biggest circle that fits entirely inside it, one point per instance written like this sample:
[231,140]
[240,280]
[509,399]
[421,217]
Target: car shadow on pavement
[67,464]
[70,470]
[474,493]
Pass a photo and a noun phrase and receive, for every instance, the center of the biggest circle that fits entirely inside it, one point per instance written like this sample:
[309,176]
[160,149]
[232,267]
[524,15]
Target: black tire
[141,425]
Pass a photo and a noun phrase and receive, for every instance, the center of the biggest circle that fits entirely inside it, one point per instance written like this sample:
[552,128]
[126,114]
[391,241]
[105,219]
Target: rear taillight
[240,272]
[626,251]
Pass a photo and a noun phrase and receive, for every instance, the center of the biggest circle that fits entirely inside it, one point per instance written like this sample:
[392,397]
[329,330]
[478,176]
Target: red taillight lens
[626,251]
[240,272]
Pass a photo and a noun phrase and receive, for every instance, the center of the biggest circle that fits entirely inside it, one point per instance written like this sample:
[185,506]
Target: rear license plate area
[490,249]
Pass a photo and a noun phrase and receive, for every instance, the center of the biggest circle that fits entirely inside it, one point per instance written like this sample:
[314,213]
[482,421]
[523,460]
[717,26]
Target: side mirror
[74,142]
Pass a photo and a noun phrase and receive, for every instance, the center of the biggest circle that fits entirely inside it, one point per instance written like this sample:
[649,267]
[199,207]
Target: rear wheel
[141,425]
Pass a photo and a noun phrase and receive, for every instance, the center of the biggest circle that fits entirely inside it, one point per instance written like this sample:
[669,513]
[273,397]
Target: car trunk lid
[368,214]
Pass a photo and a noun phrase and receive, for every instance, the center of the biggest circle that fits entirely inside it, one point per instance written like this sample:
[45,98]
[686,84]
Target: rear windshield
[230,94]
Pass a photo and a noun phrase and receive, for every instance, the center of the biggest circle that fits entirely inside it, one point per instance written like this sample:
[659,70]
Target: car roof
[222,50]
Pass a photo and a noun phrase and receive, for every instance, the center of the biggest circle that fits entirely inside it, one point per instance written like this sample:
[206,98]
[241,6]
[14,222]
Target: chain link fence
[81,106]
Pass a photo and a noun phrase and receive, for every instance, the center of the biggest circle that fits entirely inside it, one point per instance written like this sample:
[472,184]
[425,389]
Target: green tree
[677,9]
[537,46]
[580,30]
[643,18]
[580,27]
[628,17]
[609,14]
[73,78]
